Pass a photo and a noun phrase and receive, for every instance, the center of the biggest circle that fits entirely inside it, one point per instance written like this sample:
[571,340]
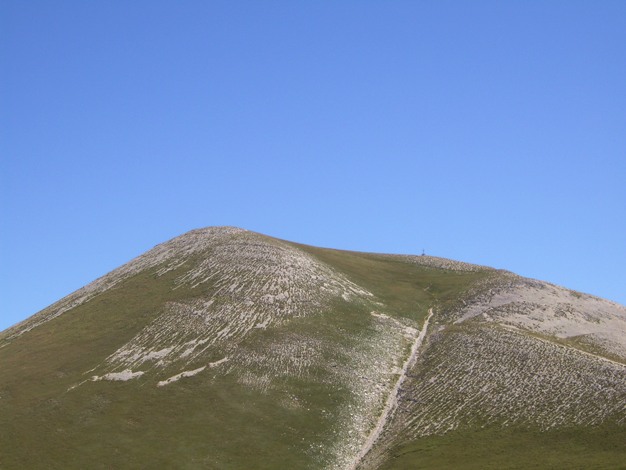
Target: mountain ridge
[345,350]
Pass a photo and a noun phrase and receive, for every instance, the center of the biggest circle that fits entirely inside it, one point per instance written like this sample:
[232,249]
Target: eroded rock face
[245,282]
[544,308]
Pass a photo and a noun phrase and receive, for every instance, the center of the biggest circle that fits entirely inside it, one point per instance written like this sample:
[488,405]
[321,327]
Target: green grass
[55,353]
[407,289]
[514,448]
[200,423]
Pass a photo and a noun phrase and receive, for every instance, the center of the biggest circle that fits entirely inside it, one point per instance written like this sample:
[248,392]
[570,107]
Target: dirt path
[392,399]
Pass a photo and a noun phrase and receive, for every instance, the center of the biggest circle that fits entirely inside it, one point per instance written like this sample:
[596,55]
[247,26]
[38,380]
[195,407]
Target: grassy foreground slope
[513,448]
[223,348]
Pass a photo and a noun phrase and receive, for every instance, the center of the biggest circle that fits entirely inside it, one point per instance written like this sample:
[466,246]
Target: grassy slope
[407,289]
[405,286]
[498,446]
[514,448]
[211,420]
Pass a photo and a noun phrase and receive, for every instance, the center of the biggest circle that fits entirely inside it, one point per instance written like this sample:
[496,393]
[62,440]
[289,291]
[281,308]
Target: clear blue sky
[489,132]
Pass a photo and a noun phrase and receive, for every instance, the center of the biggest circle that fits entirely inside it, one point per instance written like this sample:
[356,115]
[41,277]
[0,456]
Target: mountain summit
[225,348]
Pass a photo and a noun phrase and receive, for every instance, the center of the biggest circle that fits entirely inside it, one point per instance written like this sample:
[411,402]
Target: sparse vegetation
[227,349]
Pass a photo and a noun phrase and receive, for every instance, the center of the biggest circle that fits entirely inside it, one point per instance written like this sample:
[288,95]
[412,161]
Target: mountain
[228,349]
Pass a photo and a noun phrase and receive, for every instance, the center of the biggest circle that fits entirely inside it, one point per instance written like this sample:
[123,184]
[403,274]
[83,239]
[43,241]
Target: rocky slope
[224,348]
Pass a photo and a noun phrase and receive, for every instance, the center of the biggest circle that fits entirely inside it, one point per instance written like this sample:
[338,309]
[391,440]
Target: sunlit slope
[523,374]
[224,348]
